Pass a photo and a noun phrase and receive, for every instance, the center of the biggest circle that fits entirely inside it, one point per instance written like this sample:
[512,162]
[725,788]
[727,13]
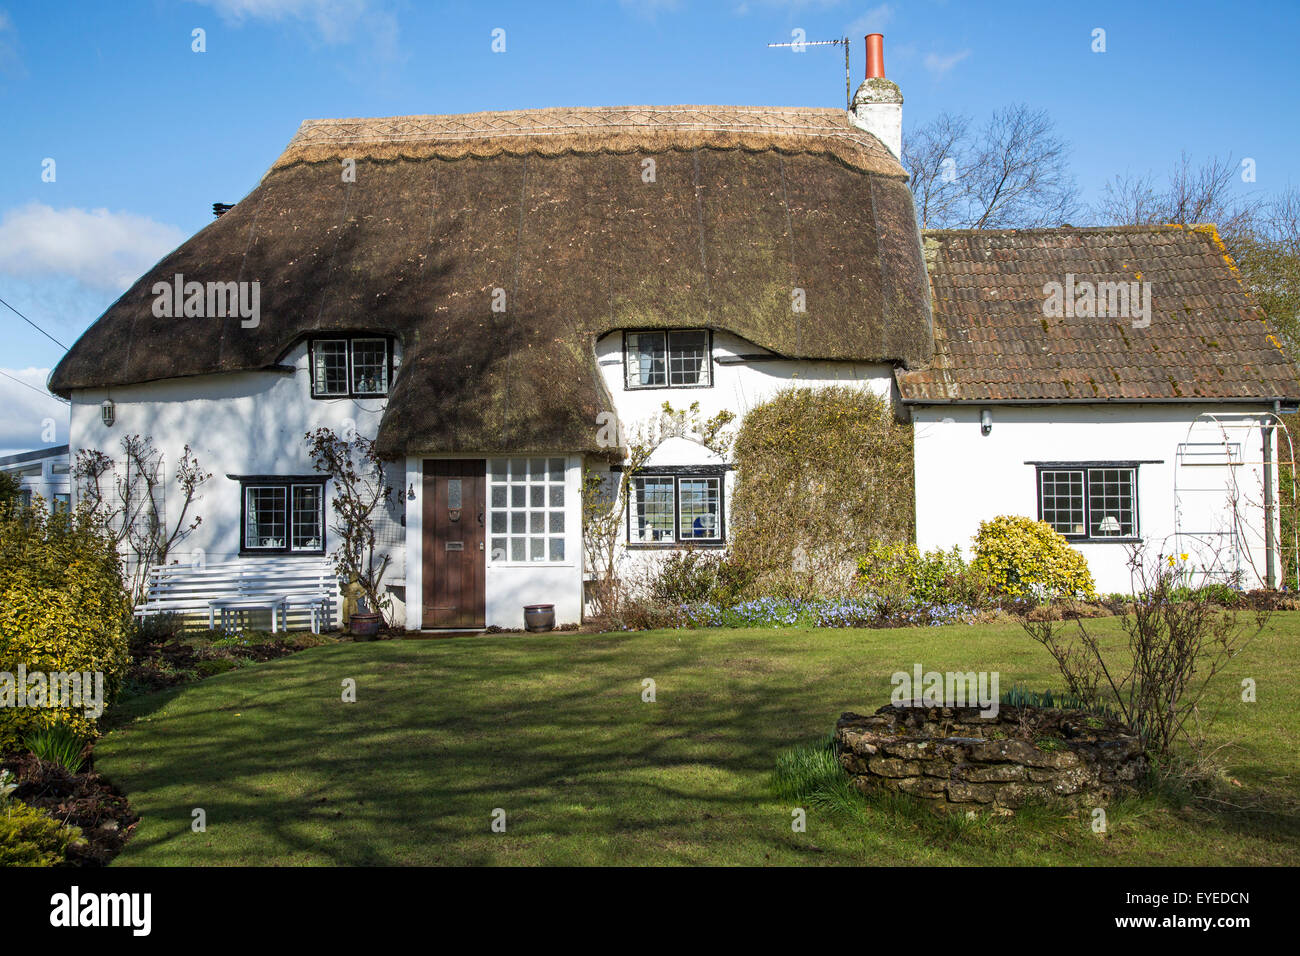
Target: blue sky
[146,134]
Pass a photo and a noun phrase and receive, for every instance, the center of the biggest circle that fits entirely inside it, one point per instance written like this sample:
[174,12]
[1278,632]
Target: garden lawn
[553,730]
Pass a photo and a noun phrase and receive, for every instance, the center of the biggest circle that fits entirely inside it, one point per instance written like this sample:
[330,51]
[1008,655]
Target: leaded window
[670,509]
[370,366]
[357,367]
[330,367]
[1089,502]
[284,516]
[667,359]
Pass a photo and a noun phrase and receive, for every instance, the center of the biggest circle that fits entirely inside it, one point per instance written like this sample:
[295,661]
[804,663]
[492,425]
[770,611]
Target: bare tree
[1013,174]
[1193,194]
[1267,251]
[931,154]
[1262,235]
[132,501]
[360,490]
[1178,641]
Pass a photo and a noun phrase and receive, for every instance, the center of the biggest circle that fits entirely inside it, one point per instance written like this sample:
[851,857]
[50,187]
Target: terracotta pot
[365,625]
[539,617]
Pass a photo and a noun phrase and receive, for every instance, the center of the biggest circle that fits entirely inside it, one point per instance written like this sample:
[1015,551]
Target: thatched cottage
[481,291]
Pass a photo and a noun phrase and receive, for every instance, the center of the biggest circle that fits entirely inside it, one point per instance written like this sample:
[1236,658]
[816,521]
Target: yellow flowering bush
[902,570]
[63,608]
[1024,558]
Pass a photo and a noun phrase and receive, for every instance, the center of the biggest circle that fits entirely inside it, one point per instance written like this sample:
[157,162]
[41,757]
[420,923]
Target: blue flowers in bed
[846,612]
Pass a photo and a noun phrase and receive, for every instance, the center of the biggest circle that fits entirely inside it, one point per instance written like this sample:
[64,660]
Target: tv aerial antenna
[842,41]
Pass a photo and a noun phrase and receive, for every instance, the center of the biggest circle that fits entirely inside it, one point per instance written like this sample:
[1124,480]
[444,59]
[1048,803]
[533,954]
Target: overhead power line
[33,325]
[38,391]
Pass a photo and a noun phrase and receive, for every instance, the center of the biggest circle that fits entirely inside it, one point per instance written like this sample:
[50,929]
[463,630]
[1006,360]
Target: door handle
[480,517]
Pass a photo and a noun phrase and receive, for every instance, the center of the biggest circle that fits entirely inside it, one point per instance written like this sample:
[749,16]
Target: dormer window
[355,367]
[668,359]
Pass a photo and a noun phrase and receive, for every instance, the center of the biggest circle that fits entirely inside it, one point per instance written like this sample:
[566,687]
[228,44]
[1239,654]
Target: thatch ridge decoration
[588,130]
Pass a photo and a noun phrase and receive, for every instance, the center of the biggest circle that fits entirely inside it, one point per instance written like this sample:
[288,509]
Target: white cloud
[336,21]
[101,249]
[940,65]
[873,21]
[25,415]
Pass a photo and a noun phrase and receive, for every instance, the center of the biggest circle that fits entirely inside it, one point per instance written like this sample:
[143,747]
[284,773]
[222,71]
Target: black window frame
[288,483]
[680,474]
[350,339]
[1086,468]
[668,365]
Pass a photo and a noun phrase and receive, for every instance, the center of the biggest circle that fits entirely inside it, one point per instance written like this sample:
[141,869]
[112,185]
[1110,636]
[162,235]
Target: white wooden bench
[280,585]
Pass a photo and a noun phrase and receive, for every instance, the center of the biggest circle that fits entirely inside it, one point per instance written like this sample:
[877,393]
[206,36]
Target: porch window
[284,516]
[670,509]
[356,367]
[526,503]
[1092,503]
[667,359]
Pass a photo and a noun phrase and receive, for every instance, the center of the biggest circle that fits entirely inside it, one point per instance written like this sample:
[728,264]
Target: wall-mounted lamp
[107,413]
[410,492]
[986,421]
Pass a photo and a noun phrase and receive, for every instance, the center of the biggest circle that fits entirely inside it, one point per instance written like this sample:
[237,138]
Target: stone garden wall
[961,761]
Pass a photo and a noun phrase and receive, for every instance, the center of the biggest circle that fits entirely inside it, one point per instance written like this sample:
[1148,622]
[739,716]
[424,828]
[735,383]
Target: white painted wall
[241,423]
[964,477]
[253,423]
[737,388]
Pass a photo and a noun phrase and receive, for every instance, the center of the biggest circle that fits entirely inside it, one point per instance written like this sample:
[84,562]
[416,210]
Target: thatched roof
[1207,340]
[551,206]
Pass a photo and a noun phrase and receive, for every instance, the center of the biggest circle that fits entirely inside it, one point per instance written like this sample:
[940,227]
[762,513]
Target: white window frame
[352,366]
[347,368]
[547,510]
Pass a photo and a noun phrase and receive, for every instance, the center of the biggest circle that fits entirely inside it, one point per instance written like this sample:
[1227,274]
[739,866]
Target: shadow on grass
[554,732]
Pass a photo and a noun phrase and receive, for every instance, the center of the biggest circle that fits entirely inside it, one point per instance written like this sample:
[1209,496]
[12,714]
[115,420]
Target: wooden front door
[454,558]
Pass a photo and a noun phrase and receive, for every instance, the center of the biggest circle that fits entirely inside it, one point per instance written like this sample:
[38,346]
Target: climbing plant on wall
[822,474]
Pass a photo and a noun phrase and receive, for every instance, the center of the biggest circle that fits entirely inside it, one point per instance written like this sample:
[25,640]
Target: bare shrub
[1178,641]
[130,496]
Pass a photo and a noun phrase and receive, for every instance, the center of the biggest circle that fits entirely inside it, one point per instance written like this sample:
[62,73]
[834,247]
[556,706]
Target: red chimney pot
[875,55]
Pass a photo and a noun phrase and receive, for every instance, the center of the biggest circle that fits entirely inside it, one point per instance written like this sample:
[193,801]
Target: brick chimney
[878,103]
